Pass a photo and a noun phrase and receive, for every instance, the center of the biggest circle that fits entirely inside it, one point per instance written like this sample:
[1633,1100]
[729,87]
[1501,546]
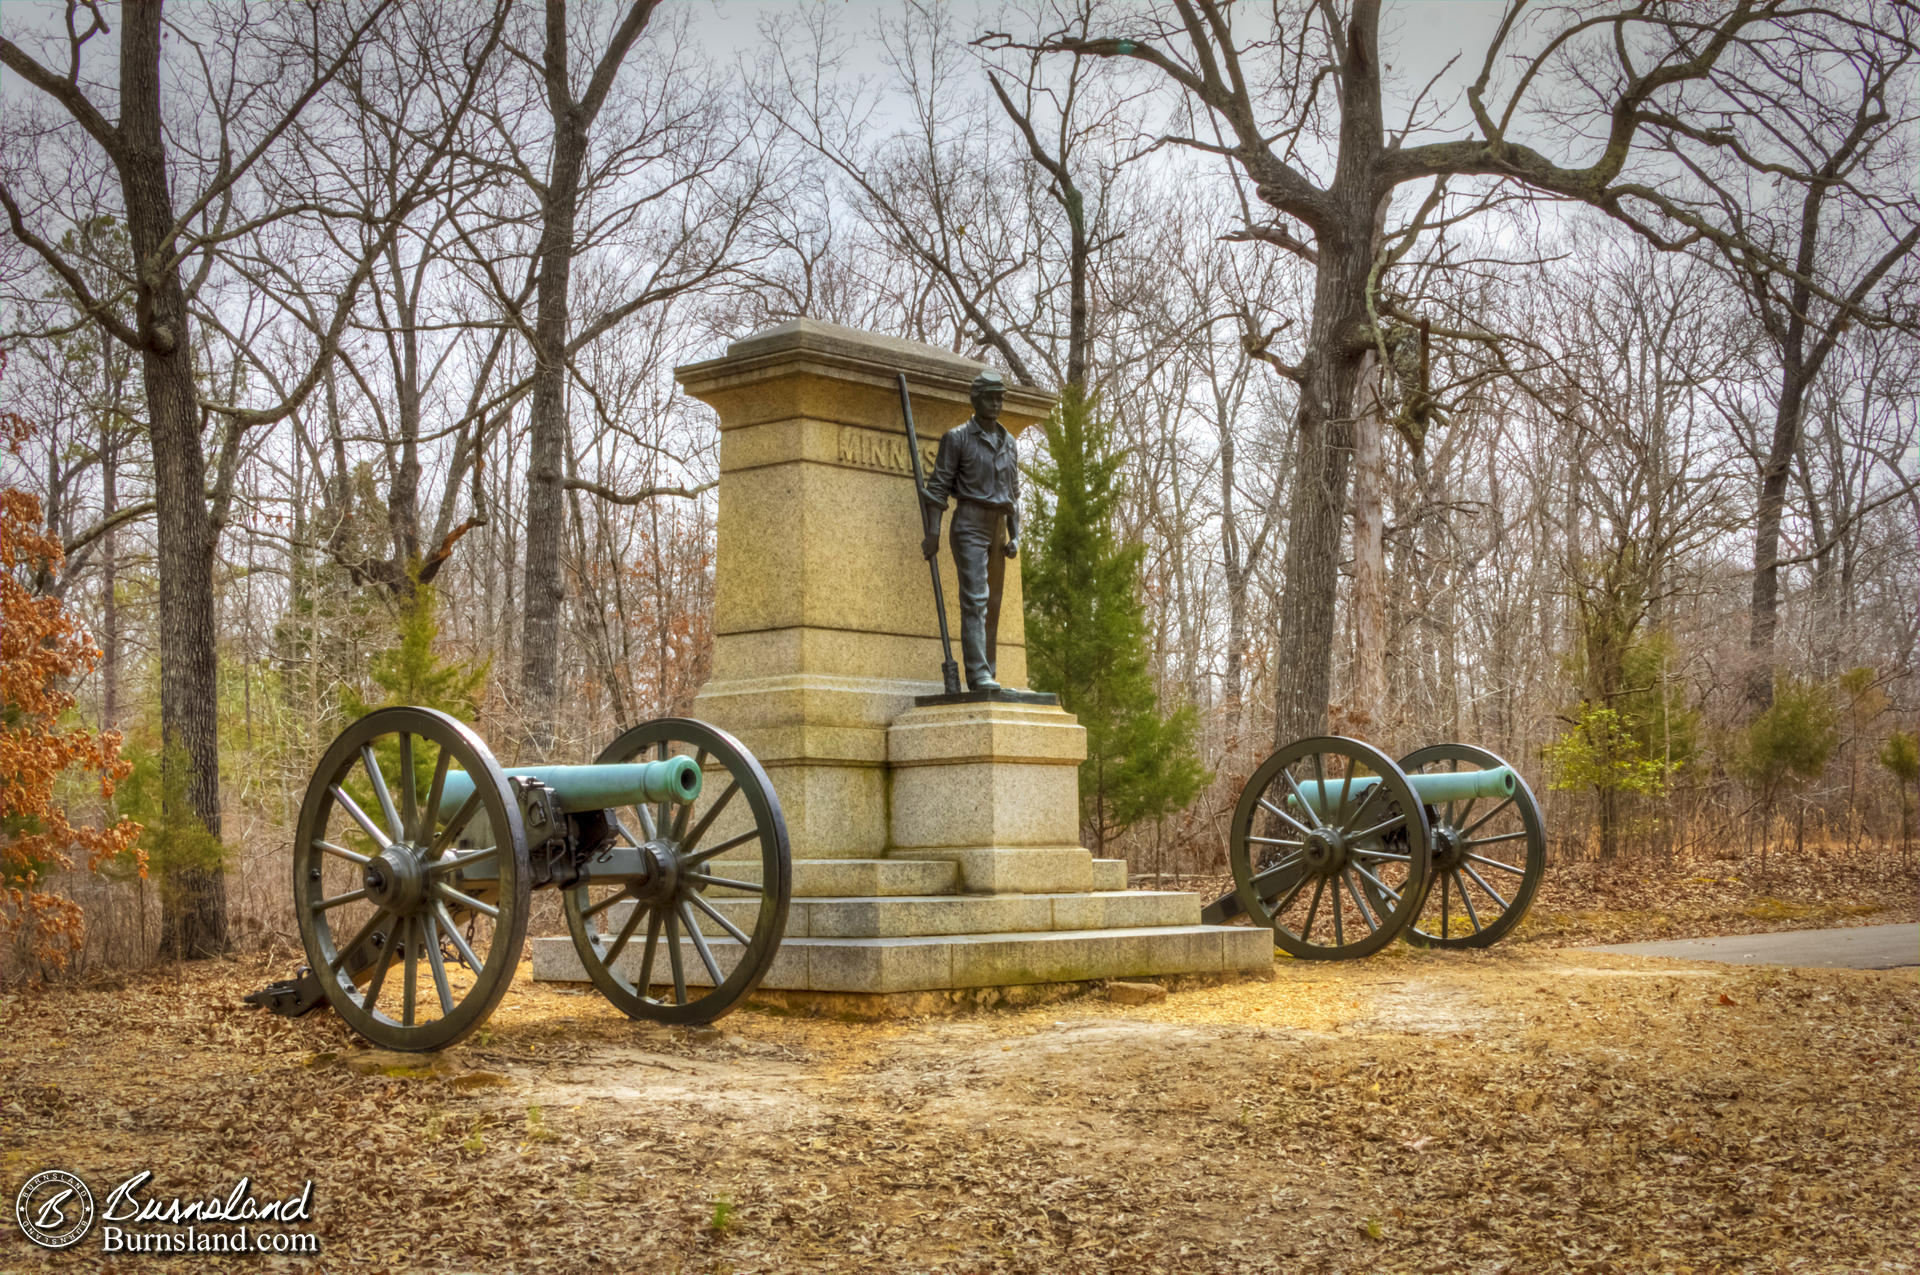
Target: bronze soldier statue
[977,466]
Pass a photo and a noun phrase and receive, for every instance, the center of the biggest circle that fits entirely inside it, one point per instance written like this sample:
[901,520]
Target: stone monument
[936,846]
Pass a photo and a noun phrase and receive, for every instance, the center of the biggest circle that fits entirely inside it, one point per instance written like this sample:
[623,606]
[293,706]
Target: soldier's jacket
[977,463]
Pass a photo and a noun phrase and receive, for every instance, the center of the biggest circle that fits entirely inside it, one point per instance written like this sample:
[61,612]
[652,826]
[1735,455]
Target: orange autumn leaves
[42,650]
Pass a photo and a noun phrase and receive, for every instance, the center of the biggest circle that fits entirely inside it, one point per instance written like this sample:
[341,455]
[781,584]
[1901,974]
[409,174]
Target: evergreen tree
[410,673]
[1087,629]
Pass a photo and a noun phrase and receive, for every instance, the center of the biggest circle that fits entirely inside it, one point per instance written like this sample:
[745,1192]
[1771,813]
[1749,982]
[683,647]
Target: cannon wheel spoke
[720,919]
[396,831]
[744,814]
[604,904]
[620,941]
[692,927]
[675,959]
[1507,836]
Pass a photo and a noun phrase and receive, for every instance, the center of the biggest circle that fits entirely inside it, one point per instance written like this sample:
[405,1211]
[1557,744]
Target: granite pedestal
[936,843]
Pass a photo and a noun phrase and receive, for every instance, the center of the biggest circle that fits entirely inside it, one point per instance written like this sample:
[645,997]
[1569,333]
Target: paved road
[1866,947]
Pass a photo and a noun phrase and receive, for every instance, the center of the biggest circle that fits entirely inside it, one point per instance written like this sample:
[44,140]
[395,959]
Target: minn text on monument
[870,449]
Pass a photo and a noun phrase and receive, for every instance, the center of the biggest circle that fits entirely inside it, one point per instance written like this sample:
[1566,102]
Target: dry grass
[1527,1110]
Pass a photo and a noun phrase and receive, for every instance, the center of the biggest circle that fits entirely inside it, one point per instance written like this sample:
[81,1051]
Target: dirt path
[1861,947]
[1528,1111]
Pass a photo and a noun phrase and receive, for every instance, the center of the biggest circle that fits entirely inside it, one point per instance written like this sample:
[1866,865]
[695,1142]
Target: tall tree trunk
[403,500]
[1766,539]
[194,908]
[546,508]
[1338,342]
[1368,707]
[1316,521]
[1239,571]
[109,581]
[547,425]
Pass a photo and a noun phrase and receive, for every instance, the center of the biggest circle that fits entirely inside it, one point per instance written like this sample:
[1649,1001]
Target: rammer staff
[949,670]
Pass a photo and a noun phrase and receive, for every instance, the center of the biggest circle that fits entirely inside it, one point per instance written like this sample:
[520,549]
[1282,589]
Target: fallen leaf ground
[1636,900]
[1531,1109]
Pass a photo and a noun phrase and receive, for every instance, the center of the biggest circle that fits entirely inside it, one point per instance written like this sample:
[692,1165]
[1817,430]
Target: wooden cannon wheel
[1340,877]
[694,937]
[413,938]
[1488,856]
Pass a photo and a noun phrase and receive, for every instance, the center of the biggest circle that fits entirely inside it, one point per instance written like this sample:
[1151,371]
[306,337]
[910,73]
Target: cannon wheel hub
[1449,847]
[661,859]
[1325,850]
[394,880]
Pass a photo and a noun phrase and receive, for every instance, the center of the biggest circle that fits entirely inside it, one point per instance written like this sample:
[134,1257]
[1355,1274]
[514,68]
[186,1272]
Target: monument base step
[938,962]
[905,916]
[846,878]
[1010,869]
[877,1006]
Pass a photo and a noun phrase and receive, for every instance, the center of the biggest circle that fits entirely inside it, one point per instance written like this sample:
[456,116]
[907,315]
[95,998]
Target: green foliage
[1901,756]
[154,795]
[1087,633]
[1606,751]
[1792,738]
[722,1215]
[409,672]
[1629,672]
[1610,599]
[1653,704]
[1860,686]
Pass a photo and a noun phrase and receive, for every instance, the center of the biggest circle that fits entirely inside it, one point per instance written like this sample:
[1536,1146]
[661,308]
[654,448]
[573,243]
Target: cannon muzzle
[676,779]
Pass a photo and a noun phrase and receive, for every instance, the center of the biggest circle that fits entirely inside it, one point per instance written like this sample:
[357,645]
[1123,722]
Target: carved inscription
[869,449]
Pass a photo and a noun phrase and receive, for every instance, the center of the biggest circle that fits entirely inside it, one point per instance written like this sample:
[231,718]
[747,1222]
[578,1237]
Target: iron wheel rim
[1305,887]
[690,916]
[413,918]
[1483,878]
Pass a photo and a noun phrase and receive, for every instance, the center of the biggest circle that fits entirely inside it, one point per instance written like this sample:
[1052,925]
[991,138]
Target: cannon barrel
[597,787]
[1432,788]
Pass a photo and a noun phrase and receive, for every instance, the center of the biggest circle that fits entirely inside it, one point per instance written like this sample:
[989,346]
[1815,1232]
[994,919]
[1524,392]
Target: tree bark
[1336,348]
[1238,572]
[545,588]
[109,578]
[403,499]
[1323,421]
[547,424]
[193,919]
[1368,699]
[1773,499]
[1316,520]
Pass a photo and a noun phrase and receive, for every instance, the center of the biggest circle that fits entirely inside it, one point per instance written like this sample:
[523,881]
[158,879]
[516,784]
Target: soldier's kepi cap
[989,380]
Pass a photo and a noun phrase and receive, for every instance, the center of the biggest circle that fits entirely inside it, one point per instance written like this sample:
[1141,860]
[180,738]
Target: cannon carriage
[1341,850]
[416,855]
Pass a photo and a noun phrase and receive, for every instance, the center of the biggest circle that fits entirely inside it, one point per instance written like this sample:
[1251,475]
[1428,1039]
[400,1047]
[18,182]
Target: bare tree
[1823,183]
[656,173]
[1304,121]
[290,66]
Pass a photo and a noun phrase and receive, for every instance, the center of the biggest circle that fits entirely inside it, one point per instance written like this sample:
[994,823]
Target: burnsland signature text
[238,1205]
